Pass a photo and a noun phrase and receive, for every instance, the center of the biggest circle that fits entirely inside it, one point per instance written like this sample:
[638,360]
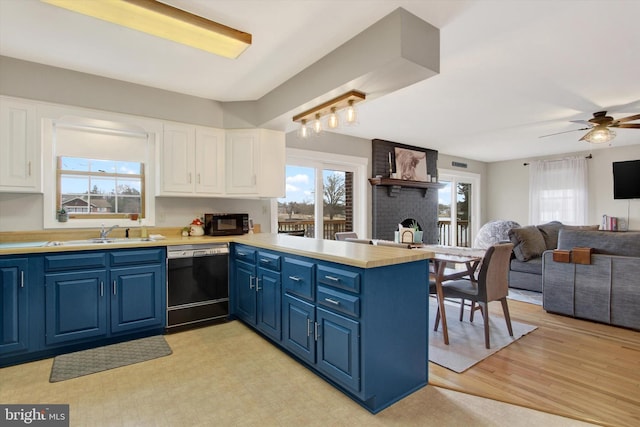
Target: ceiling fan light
[600,135]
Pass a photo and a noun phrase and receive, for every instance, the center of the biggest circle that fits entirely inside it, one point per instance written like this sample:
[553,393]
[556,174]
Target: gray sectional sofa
[607,290]
[529,243]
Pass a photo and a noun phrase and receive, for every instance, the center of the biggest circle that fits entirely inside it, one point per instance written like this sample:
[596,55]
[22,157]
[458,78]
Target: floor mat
[73,365]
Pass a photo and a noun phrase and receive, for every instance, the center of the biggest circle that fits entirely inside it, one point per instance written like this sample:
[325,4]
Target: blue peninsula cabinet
[258,289]
[356,315]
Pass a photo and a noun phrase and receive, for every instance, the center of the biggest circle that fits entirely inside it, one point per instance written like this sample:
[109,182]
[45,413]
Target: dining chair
[492,285]
[343,235]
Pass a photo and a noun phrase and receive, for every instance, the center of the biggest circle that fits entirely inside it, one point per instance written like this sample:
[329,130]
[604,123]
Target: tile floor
[227,375]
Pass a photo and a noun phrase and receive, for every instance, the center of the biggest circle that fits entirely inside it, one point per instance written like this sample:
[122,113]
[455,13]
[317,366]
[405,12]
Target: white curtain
[558,191]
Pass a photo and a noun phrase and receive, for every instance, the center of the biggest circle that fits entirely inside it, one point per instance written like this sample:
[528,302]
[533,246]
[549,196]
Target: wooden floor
[570,367]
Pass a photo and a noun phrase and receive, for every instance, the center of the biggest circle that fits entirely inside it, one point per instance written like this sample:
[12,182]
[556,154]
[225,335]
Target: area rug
[524,295]
[73,365]
[466,339]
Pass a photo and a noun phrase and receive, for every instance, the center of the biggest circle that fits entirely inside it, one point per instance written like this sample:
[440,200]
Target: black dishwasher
[197,285]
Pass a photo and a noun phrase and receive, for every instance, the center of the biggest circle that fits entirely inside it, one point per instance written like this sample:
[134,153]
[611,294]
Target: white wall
[508,181]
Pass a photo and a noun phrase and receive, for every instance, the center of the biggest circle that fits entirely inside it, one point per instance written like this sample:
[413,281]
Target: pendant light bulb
[333,121]
[317,126]
[351,113]
[303,132]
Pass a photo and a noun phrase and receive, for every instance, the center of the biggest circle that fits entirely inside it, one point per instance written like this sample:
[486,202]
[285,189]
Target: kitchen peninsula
[354,314]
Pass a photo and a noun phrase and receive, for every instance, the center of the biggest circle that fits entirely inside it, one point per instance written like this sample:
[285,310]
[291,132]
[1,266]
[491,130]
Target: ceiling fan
[600,125]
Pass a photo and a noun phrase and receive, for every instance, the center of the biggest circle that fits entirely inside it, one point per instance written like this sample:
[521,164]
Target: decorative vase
[63,217]
[417,237]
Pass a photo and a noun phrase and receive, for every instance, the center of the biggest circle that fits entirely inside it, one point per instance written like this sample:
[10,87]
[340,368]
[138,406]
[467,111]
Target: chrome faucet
[104,233]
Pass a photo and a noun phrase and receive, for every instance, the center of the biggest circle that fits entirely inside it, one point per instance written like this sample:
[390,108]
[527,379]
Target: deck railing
[463,233]
[330,227]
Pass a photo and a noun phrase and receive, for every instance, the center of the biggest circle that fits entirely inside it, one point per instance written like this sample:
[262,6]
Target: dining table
[464,261]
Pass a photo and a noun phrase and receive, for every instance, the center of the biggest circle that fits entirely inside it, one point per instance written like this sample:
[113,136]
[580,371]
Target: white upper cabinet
[255,163]
[192,161]
[20,163]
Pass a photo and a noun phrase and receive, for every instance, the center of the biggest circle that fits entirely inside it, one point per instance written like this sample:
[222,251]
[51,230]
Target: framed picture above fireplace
[411,164]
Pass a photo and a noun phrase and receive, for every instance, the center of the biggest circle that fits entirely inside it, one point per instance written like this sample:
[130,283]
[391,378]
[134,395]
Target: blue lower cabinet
[245,292]
[257,290]
[76,306]
[269,303]
[14,320]
[136,300]
[299,328]
[126,295]
[338,348]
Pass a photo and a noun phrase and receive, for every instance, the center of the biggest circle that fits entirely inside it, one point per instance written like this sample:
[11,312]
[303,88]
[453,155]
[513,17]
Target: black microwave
[226,224]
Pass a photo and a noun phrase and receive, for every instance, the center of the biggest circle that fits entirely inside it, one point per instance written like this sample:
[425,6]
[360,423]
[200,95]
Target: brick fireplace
[392,205]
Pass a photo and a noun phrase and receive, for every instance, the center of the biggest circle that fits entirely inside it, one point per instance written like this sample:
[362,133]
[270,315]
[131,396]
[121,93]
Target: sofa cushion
[549,233]
[534,265]
[603,242]
[527,242]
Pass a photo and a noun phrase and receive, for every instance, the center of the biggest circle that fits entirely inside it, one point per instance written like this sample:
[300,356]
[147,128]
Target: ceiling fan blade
[628,119]
[629,126]
[582,122]
[566,131]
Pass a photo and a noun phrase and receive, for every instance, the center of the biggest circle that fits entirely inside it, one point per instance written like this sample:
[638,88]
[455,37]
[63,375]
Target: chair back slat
[493,279]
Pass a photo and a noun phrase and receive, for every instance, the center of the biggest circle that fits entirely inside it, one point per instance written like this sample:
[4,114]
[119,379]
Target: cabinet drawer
[245,253]
[136,257]
[339,278]
[75,261]
[339,301]
[297,277]
[268,260]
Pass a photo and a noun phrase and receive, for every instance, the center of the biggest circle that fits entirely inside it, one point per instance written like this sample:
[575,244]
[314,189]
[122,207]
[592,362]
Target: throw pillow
[549,233]
[527,242]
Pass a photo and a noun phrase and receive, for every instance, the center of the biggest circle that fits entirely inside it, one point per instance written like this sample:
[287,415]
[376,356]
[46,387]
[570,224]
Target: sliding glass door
[323,196]
[458,208]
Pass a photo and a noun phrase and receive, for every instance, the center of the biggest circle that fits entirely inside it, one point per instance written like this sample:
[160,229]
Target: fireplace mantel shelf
[396,184]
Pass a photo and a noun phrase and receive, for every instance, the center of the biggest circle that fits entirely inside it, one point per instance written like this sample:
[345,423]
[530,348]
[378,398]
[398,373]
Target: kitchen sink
[99,241]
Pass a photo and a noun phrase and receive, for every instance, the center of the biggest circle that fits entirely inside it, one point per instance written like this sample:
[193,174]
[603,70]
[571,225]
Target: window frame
[48,116]
[114,215]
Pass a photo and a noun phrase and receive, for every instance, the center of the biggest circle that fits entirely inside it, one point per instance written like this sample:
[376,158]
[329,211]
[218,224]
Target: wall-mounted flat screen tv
[626,179]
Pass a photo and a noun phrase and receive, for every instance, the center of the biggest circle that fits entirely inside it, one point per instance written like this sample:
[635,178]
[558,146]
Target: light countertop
[348,253]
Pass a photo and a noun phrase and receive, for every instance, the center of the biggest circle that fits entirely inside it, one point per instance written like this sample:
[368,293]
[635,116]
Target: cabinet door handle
[241,254]
[295,278]
[101,288]
[265,261]
[22,279]
[115,287]
[189,177]
[332,301]
[29,167]
[258,288]
[198,178]
[315,331]
[308,327]
[333,279]
[251,286]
